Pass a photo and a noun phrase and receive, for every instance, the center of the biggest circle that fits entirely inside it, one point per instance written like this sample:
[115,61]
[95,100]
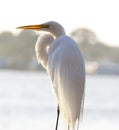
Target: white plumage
[62,59]
[66,68]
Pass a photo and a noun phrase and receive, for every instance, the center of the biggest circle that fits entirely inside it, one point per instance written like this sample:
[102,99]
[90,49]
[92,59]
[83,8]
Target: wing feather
[67,72]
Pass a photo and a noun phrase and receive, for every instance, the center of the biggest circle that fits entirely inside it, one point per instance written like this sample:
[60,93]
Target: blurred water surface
[27,102]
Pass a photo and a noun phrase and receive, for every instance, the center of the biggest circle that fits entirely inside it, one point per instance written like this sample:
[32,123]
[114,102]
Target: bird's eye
[45,26]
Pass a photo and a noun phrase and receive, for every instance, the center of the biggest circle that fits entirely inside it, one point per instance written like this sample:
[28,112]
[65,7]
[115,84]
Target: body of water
[27,102]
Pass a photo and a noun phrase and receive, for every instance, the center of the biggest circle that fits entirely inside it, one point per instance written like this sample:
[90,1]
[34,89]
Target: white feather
[66,68]
[64,63]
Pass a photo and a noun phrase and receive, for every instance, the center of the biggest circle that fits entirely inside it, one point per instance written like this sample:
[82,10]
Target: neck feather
[42,48]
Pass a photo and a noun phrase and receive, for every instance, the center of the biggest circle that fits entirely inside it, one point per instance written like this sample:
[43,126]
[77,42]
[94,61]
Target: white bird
[62,59]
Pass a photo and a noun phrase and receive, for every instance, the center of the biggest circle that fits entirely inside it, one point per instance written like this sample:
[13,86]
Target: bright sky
[101,16]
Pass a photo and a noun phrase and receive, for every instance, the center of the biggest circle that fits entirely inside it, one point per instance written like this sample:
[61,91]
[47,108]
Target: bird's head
[53,27]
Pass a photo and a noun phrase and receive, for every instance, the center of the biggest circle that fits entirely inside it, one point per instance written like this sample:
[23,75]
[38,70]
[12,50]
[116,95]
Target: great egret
[62,59]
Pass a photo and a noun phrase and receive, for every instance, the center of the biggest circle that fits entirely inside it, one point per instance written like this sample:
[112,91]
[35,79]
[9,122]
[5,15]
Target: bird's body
[62,59]
[65,66]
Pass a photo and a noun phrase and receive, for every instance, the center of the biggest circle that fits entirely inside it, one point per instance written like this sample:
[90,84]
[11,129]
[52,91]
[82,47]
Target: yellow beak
[34,27]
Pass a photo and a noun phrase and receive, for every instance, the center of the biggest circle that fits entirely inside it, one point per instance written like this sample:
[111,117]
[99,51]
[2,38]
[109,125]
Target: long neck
[42,47]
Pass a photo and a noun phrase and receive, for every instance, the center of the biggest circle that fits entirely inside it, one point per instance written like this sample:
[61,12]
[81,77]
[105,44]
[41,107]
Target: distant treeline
[92,48]
[17,52]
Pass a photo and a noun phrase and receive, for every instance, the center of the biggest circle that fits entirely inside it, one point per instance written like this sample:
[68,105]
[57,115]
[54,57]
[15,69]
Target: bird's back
[67,71]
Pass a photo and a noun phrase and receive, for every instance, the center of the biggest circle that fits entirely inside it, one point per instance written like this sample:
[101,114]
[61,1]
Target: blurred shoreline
[17,52]
[106,68]
[92,68]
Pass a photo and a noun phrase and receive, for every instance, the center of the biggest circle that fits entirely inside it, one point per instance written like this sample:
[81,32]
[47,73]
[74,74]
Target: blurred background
[26,99]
